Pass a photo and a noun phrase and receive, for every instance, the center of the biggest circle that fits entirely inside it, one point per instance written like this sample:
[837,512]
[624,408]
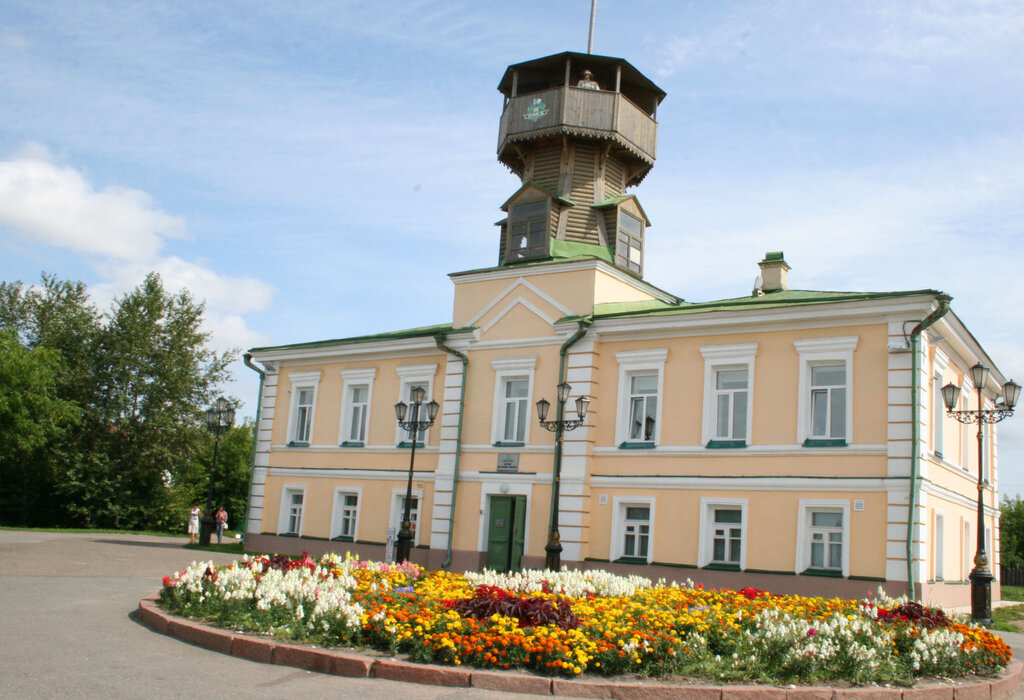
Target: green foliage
[135,380]
[1011,531]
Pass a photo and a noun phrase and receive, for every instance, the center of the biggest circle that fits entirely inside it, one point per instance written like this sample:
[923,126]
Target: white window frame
[507,370]
[967,546]
[939,547]
[633,363]
[300,381]
[337,510]
[408,377]
[284,515]
[939,364]
[726,357]
[353,379]
[823,351]
[986,444]
[705,548]
[965,428]
[619,505]
[803,547]
[397,511]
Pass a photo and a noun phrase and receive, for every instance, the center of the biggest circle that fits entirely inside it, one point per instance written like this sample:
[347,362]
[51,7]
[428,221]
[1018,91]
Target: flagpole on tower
[593,14]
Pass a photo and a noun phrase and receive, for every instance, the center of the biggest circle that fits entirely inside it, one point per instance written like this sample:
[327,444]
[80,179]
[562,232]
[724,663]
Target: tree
[31,417]
[1011,531]
[141,376]
[231,483]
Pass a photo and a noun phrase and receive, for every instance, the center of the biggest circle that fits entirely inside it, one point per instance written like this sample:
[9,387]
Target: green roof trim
[768,301]
[422,331]
[615,201]
[574,249]
[773,256]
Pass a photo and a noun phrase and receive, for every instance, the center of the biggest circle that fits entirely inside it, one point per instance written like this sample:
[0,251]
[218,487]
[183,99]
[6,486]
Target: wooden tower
[578,130]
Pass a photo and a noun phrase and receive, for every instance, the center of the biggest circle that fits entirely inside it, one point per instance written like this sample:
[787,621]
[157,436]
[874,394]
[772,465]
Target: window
[292,500]
[640,380]
[828,401]
[513,387]
[632,530]
[965,435]
[355,412]
[398,512]
[826,540]
[300,423]
[823,547]
[528,231]
[722,533]
[728,372]
[825,405]
[411,377]
[346,515]
[629,245]
[643,407]
[939,548]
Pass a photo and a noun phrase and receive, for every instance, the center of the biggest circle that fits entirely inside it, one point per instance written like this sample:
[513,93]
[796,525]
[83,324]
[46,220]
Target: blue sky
[315,169]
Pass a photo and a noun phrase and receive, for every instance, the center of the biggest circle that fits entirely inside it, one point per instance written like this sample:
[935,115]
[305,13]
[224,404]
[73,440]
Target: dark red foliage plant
[528,612]
[915,612]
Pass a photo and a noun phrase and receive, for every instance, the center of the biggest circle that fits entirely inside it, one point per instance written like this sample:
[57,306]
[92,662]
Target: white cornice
[405,347]
[701,451]
[790,317]
[744,483]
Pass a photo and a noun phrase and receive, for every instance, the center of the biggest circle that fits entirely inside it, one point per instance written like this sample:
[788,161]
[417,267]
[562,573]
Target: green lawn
[1013,593]
[99,531]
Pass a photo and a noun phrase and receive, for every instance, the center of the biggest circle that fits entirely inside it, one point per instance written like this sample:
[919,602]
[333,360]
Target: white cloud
[56,205]
[124,235]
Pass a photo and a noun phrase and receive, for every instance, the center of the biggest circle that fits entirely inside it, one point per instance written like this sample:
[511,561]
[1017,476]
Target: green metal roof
[422,331]
[767,301]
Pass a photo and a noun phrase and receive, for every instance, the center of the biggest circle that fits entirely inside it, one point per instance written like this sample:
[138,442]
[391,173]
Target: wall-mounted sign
[536,110]
[508,463]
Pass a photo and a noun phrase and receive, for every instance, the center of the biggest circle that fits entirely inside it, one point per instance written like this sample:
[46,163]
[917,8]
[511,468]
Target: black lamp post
[219,417]
[414,426]
[981,576]
[560,425]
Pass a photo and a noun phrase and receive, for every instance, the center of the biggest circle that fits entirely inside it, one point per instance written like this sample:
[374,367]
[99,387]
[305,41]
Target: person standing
[193,524]
[221,516]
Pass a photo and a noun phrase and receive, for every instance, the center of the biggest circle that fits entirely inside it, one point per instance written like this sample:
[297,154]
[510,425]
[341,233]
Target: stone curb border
[357,665]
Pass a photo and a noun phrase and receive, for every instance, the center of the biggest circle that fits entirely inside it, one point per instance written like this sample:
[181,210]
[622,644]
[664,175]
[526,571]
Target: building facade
[787,439]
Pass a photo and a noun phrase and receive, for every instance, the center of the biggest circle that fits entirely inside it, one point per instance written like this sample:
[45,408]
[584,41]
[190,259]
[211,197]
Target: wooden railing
[599,110]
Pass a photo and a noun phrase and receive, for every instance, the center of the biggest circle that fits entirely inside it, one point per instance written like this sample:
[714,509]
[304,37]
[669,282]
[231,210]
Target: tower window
[528,231]
[629,244]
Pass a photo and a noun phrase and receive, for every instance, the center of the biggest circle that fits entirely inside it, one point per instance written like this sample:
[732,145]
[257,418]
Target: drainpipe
[439,339]
[915,439]
[247,359]
[584,325]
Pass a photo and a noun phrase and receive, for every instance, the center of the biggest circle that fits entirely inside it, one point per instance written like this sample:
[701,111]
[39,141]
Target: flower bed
[573,622]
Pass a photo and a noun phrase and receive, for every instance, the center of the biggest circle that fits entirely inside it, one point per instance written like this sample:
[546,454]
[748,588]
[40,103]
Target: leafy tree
[141,376]
[1011,531]
[231,480]
[31,416]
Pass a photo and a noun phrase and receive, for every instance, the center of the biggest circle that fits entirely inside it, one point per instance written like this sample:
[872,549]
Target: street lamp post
[553,559]
[219,418]
[414,426]
[981,576]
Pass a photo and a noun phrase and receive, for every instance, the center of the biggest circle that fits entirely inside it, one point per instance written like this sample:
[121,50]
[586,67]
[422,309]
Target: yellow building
[780,440]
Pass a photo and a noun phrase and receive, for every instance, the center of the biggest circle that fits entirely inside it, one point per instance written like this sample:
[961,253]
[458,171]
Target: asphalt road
[66,630]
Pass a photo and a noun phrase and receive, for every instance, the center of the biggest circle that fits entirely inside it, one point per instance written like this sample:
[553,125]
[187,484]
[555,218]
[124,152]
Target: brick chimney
[773,272]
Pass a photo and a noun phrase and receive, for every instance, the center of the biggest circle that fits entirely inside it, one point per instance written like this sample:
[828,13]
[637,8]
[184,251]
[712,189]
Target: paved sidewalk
[65,630]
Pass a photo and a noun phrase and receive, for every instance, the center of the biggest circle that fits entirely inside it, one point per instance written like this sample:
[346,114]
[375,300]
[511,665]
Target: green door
[506,532]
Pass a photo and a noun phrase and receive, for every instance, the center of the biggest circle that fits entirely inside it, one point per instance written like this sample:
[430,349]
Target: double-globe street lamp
[414,426]
[553,559]
[981,576]
[219,418]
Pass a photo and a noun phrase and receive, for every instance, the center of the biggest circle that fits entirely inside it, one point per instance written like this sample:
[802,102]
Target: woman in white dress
[193,524]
